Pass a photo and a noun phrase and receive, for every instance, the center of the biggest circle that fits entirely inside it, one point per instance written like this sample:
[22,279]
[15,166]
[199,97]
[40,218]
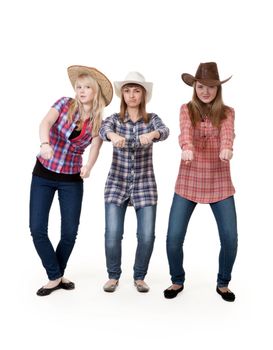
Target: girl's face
[132,95]
[84,92]
[205,93]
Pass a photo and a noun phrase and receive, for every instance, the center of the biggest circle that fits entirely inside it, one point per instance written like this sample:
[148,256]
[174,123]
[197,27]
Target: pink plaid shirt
[206,179]
[67,156]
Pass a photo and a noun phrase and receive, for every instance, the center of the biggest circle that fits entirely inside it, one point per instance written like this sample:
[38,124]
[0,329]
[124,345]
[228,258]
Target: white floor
[161,39]
[88,318]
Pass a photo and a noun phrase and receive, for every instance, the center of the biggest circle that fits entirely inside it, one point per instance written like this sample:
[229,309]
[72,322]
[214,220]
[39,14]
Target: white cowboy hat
[102,80]
[134,78]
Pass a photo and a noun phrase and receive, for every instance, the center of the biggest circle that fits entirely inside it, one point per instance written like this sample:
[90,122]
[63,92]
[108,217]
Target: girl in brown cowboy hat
[131,179]
[206,140]
[67,129]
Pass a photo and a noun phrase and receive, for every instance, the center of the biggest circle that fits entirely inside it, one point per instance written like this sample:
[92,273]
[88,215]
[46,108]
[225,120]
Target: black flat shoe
[227,296]
[172,293]
[68,285]
[42,292]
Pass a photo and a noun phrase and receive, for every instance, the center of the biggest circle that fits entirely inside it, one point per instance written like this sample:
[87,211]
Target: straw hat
[134,78]
[102,80]
[207,74]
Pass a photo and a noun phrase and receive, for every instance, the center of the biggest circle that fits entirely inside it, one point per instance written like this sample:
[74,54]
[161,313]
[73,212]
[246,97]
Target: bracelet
[44,143]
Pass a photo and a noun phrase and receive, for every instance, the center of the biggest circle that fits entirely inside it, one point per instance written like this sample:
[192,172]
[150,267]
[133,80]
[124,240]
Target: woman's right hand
[187,156]
[226,155]
[46,151]
[117,140]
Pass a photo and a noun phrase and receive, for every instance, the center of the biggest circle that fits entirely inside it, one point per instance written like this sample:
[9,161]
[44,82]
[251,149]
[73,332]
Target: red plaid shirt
[67,156]
[206,179]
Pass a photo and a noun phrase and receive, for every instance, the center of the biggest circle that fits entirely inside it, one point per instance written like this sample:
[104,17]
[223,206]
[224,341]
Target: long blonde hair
[216,110]
[96,109]
[141,108]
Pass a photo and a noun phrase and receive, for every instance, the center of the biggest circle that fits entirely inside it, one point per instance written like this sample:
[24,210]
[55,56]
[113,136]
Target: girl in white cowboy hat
[206,139]
[66,130]
[131,179]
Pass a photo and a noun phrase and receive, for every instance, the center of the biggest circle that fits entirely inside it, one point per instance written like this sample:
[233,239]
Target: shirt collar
[127,119]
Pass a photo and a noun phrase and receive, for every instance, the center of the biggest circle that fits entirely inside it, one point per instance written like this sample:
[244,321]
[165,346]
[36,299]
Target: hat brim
[104,83]
[190,80]
[146,85]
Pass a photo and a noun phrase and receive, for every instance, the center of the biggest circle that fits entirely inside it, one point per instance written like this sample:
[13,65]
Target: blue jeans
[225,215]
[114,220]
[70,199]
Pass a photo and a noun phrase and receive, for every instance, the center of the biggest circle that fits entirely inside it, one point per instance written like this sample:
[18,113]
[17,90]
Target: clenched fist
[226,155]
[187,156]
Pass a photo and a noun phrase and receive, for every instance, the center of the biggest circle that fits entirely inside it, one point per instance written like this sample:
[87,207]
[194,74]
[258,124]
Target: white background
[161,39]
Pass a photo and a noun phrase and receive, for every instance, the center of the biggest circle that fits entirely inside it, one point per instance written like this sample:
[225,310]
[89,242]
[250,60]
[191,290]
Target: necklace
[204,110]
[86,115]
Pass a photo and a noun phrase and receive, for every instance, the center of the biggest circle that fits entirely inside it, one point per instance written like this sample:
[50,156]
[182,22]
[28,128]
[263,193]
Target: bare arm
[45,126]
[93,156]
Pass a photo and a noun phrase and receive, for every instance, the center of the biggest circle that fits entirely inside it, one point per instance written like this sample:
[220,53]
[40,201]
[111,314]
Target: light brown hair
[216,110]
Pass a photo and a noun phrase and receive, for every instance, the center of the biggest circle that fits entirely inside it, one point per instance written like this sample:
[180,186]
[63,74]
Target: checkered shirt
[67,156]
[131,175]
[206,179]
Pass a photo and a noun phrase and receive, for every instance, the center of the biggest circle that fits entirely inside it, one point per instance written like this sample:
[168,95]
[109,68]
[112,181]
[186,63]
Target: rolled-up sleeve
[159,126]
[227,134]
[186,129]
[61,103]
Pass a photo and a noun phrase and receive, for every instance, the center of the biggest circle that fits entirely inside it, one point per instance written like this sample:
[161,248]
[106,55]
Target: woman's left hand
[225,155]
[146,139]
[85,172]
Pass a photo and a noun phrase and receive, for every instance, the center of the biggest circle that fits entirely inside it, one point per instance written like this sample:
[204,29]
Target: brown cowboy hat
[207,74]
[104,83]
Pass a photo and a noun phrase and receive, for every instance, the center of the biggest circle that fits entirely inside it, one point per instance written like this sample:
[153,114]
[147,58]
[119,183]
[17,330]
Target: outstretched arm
[160,132]
[227,136]
[186,135]
[93,156]
[108,132]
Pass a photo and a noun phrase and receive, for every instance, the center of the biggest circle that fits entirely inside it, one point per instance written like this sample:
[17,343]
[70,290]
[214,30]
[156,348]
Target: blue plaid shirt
[131,175]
